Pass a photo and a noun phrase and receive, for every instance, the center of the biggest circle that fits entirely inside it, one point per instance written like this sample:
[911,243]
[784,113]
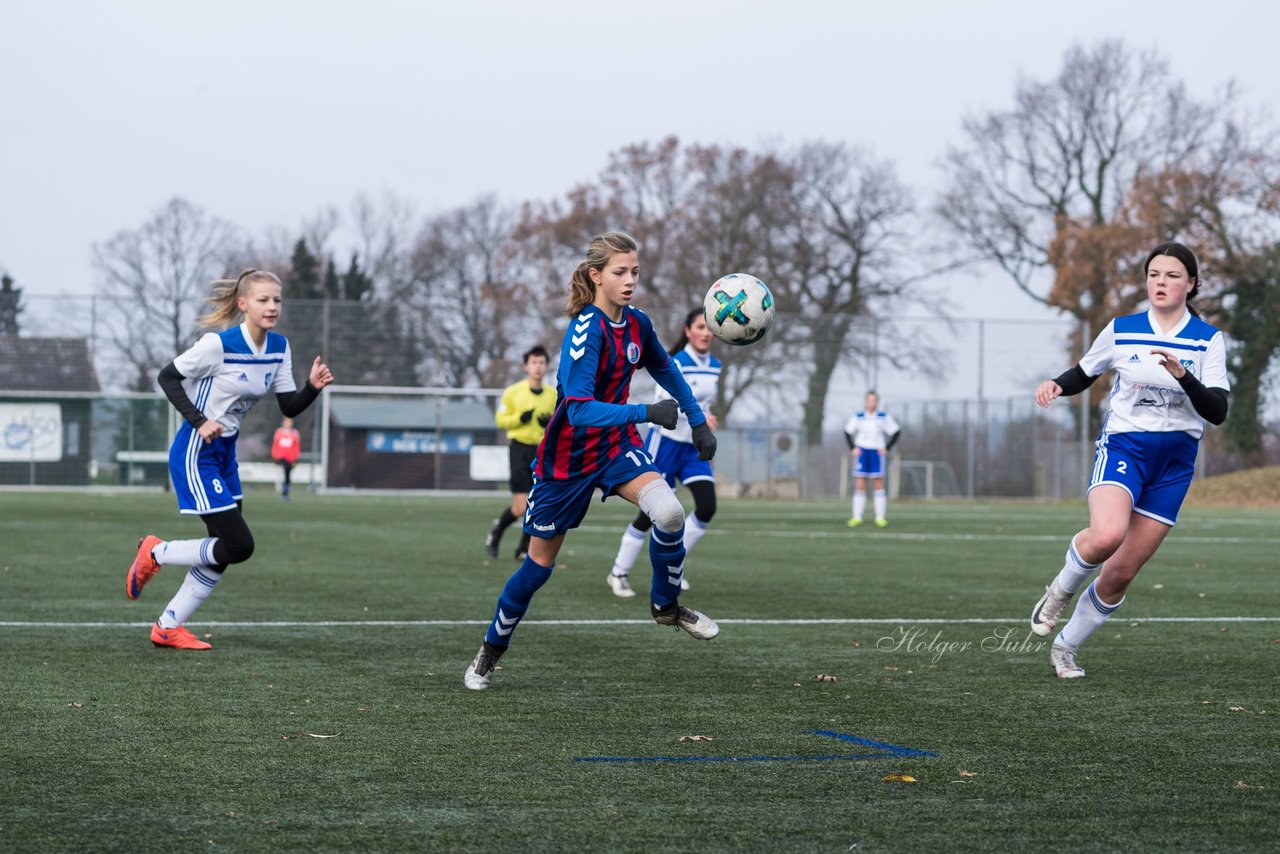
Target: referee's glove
[664,413]
[544,419]
[705,441]
[526,416]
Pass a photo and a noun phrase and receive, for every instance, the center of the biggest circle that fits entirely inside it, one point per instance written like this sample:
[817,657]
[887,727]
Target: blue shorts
[870,463]
[558,506]
[1154,468]
[206,477]
[677,460]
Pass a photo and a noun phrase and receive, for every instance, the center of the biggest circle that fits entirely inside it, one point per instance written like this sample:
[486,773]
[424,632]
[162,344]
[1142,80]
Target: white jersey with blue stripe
[225,374]
[702,372]
[1145,397]
[871,430]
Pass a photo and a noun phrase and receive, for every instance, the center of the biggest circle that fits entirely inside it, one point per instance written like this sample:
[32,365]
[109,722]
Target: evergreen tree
[304,276]
[332,287]
[356,284]
[10,308]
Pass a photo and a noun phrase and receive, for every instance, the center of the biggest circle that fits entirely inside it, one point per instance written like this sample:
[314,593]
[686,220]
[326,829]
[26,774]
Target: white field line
[744,621]
[868,536]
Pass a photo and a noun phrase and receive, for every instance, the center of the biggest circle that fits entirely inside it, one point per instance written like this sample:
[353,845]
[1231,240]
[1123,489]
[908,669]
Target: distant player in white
[870,434]
[213,385]
[1171,377]
[673,451]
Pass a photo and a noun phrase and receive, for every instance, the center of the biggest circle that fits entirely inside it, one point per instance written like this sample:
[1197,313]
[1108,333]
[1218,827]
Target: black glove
[664,413]
[526,416]
[705,441]
[544,419]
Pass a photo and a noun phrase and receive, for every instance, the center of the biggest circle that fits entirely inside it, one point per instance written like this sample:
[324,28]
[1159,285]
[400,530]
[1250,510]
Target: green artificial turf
[357,616]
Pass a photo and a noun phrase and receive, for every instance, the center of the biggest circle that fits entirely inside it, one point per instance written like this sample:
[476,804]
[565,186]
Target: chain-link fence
[961,389]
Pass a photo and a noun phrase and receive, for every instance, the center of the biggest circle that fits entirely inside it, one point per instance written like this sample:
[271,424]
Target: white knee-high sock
[693,531]
[1089,615]
[628,550]
[1075,572]
[189,552]
[881,502]
[195,588]
[859,504]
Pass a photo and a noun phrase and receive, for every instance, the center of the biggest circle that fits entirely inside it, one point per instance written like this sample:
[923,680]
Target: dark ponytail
[683,338]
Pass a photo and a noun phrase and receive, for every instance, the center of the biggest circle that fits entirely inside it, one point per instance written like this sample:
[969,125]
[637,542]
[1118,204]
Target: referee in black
[524,412]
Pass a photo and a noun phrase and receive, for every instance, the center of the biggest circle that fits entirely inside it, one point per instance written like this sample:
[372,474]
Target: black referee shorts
[522,457]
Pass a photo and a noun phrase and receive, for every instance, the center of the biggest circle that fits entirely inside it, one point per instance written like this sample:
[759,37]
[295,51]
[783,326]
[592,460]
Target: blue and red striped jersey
[597,361]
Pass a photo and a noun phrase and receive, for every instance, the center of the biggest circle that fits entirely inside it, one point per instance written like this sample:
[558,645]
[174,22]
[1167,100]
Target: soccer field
[331,713]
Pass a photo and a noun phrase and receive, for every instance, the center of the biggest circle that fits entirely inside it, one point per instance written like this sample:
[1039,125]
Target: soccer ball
[739,309]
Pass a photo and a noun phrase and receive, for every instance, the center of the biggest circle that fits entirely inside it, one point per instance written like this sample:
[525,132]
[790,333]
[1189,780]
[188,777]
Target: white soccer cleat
[620,586]
[1050,607]
[480,670]
[1064,661]
[696,623]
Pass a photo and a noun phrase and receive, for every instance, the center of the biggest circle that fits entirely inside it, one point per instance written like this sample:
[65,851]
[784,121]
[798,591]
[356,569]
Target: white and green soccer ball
[739,309]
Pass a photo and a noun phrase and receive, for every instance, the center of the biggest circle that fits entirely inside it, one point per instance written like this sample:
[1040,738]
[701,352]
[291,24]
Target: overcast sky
[262,112]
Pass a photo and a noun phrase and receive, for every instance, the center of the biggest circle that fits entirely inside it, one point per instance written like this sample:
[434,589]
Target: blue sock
[666,553]
[515,600]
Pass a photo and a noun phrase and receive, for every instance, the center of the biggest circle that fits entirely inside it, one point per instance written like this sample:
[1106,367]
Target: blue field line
[886,751]
[731,621]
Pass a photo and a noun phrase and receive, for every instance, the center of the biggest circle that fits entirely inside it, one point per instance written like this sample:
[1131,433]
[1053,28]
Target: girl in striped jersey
[591,443]
[213,385]
[1171,377]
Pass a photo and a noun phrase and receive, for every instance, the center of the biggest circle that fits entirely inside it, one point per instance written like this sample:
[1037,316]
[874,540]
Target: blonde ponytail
[223,312]
[582,291]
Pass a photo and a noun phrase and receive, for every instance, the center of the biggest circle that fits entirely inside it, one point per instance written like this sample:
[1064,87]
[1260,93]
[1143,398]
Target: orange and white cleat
[144,566]
[178,638]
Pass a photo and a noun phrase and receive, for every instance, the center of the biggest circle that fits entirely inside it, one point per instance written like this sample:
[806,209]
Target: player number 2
[1122,467]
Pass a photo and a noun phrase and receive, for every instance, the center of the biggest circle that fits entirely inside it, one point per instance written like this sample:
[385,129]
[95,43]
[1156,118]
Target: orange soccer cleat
[144,566]
[178,638]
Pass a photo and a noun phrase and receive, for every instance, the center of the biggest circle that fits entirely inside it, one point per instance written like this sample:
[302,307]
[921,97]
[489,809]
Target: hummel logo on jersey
[244,378]
[1135,358]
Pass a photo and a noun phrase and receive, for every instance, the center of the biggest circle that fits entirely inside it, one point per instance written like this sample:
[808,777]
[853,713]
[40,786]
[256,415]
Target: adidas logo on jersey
[1135,358]
[244,378]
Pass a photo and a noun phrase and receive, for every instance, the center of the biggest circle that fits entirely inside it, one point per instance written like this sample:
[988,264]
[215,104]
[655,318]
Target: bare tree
[469,304]
[157,277]
[1062,163]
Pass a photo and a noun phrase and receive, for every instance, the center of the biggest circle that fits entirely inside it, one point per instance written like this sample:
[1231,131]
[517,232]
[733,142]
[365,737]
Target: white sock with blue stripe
[1075,572]
[859,503]
[195,588]
[628,550]
[189,552]
[1090,614]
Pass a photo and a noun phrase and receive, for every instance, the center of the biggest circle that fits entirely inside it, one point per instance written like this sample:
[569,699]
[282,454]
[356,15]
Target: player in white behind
[213,385]
[1171,377]
[674,453]
[870,434]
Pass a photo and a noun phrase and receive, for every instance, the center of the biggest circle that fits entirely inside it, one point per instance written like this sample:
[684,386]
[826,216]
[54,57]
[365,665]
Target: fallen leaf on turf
[696,738]
[897,778]
[230,813]
[824,677]
[1206,702]
[75,705]
[1239,709]
[1157,586]
[1241,784]
[968,774]
[316,735]
[858,643]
